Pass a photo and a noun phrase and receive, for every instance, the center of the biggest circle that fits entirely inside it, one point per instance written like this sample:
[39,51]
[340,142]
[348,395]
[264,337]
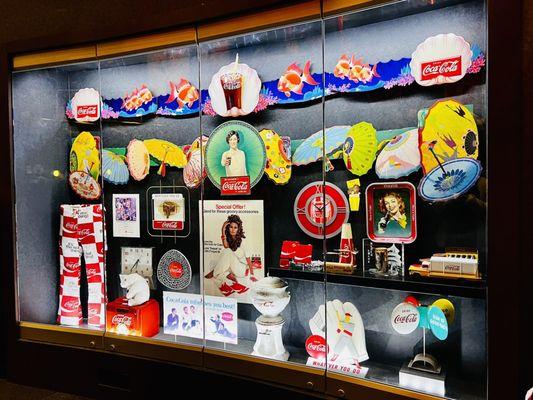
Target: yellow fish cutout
[84,155]
[449,132]
[279,166]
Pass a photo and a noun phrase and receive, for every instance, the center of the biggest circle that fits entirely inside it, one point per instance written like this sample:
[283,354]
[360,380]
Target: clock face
[320,210]
[137,260]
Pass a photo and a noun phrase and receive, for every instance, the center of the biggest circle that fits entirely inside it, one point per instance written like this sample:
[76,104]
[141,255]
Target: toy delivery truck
[451,264]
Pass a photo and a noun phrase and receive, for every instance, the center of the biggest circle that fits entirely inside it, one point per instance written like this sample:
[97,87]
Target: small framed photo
[126,218]
[391,212]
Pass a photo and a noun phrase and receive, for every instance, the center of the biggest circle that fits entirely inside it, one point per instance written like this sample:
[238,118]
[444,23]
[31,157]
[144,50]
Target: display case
[299,199]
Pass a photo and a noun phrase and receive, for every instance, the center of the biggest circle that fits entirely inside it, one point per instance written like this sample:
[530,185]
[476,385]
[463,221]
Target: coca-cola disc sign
[316,347]
[235,150]
[405,318]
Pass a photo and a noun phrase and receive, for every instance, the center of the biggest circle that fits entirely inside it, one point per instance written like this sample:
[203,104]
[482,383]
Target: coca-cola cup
[228,159]
[232,86]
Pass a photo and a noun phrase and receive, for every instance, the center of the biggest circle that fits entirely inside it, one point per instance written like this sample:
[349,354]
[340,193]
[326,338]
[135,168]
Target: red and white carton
[347,247]
[234,185]
[288,251]
[304,254]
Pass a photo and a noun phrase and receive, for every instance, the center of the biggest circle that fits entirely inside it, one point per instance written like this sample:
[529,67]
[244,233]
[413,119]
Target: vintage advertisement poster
[182,314]
[232,254]
[221,319]
[126,217]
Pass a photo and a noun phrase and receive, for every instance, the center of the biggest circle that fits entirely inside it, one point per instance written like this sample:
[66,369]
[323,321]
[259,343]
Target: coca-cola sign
[405,318]
[316,347]
[168,225]
[447,67]
[175,269]
[87,111]
[235,185]
[122,319]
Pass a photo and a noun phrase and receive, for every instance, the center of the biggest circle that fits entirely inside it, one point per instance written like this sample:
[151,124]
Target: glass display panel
[59,235]
[406,94]
[152,218]
[258,108]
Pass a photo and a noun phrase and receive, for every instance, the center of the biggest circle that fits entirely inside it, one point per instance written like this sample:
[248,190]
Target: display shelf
[379,374]
[459,288]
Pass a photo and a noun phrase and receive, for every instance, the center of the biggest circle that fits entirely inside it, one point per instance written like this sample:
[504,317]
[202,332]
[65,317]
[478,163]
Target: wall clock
[321,209]
[139,260]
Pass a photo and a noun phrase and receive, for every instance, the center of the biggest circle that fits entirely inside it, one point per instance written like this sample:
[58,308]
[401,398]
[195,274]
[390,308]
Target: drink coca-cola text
[87,111]
[235,185]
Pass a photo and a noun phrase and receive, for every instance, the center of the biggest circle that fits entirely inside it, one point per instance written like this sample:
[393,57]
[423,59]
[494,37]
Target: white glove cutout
[345,332]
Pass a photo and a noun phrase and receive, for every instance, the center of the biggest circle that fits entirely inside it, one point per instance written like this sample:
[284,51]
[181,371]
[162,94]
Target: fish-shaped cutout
[137,98]
[184,93]
[354,69]
[293,79]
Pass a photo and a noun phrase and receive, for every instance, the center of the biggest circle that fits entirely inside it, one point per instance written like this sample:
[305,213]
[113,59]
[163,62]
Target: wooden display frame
[29,338]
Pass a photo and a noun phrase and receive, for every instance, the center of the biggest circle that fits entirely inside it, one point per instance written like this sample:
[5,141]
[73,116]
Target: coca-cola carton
[235,185]
[304,254]
[141,320]
[288,251]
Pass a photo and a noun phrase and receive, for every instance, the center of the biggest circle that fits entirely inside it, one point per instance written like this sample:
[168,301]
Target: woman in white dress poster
[234,159]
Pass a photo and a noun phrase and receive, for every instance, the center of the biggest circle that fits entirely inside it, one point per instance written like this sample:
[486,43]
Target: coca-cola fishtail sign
[235,185]
[235,157]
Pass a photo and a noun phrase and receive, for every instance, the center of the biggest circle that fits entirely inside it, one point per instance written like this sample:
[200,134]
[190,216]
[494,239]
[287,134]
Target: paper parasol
[278,167]
[399,157]
[359,151]
[84,155]
[450,179]
[449,132]
[166,153]
[193,172]
[138,159]
[310,150]
[114,169]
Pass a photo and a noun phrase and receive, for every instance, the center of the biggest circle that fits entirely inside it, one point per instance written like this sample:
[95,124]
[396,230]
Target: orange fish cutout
[293,79]
[354,69]
[137,98]
[184,93]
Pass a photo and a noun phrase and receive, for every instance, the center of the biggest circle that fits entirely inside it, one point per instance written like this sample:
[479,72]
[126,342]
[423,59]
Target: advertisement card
[126,217]
[182,314]
[391,212]
[232,254]
[221,319]
[169,211]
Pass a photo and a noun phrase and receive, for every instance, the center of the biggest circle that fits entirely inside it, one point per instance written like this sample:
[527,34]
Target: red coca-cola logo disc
[316,347]
[175,269]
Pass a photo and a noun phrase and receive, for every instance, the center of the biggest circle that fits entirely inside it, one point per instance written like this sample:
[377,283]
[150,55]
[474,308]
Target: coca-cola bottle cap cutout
[405,318]
[174,270]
